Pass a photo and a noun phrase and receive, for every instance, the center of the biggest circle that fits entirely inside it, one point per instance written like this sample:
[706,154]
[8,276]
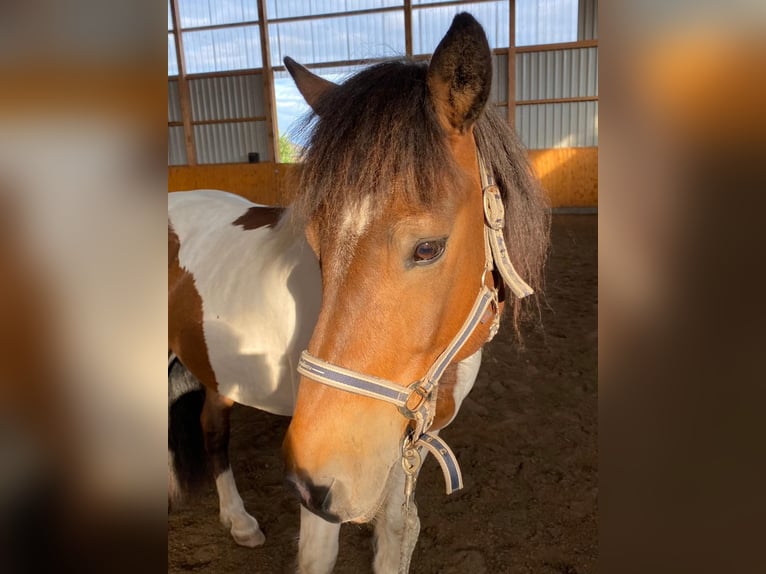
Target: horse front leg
[396,530]
[318,544]
[215,425]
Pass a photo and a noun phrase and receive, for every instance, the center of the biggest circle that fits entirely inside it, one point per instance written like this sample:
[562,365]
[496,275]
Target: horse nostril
[298,488]
[316,498]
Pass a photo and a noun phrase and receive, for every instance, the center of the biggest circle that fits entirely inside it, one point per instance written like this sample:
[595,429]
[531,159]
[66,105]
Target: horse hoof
[249,539]
[248,534]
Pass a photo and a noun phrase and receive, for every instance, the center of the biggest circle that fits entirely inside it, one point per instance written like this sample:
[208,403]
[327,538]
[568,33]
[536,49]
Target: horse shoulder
[259,289]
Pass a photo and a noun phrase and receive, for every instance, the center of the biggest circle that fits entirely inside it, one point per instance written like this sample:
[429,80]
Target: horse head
[392,203]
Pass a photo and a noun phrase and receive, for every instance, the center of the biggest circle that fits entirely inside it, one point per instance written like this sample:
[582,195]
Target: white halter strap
[418,400]
[494,223]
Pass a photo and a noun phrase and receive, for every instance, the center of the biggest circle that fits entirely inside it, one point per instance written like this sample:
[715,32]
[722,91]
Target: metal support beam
[408,28]
[269,98]
[512,63]
[183,87]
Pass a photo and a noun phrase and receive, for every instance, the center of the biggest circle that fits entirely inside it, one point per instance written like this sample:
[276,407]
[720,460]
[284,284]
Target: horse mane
[376,135]
[527,213]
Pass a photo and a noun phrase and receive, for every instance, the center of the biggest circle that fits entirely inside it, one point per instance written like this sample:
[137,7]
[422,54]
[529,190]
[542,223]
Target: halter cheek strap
[494,223]
[418,400]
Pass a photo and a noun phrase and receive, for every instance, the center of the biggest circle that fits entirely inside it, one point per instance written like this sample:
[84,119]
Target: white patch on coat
[260,291]
[356,217]
[354,221]
[467,371]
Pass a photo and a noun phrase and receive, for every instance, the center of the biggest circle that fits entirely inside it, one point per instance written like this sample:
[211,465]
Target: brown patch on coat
[186,337]
[215,416]
[259,216]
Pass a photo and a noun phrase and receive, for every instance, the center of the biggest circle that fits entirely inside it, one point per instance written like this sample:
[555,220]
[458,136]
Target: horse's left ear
[460,74]
[311,86]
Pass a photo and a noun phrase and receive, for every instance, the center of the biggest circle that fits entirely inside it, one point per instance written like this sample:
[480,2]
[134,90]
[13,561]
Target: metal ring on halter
[423,395]
[411,458]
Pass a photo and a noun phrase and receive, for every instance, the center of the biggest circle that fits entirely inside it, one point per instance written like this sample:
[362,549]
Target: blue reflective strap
[344,379]
[465,332]
[453,478]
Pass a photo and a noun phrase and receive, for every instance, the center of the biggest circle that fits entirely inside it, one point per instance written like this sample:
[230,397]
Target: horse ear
[310,85]
[460,74]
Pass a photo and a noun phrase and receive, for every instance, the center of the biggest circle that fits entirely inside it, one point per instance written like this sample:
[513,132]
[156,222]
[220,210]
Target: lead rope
[411,461]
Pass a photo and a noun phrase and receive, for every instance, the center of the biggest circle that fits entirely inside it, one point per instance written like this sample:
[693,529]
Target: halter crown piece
[418,400]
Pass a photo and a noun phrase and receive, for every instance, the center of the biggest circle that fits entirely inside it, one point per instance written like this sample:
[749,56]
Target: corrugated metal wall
[220,98]
[587,24]
[176,146]
[174,102]
[230,142]
[223,98]
[499,91]
[545,126]
[557,74]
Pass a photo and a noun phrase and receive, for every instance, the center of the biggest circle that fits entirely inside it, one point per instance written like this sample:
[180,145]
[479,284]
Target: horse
[362,308]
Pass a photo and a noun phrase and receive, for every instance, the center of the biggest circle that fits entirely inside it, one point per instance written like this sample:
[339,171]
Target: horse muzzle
[315,497]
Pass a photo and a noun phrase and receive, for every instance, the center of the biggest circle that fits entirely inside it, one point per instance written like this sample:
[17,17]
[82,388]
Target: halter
[417,401]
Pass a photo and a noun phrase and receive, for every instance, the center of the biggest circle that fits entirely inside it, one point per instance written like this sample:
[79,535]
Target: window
[222,49]
[196,13]
[172,59]
[338,39]
[292,109]
[545,21]
[430,23]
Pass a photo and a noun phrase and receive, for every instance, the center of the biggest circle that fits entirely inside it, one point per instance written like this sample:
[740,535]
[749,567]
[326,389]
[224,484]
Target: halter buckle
[494,210]
[422,394]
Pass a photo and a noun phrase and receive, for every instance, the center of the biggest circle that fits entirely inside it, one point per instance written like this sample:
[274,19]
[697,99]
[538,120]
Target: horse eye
[429,251]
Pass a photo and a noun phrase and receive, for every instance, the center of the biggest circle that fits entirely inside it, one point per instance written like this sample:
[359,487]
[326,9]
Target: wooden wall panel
[266,182]
[569,176]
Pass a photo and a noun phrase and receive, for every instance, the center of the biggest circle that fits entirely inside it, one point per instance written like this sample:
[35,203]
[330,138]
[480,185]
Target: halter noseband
[417,401]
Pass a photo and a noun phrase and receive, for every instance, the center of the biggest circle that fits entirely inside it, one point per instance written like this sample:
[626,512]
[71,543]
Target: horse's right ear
[309,84]
[460,74]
